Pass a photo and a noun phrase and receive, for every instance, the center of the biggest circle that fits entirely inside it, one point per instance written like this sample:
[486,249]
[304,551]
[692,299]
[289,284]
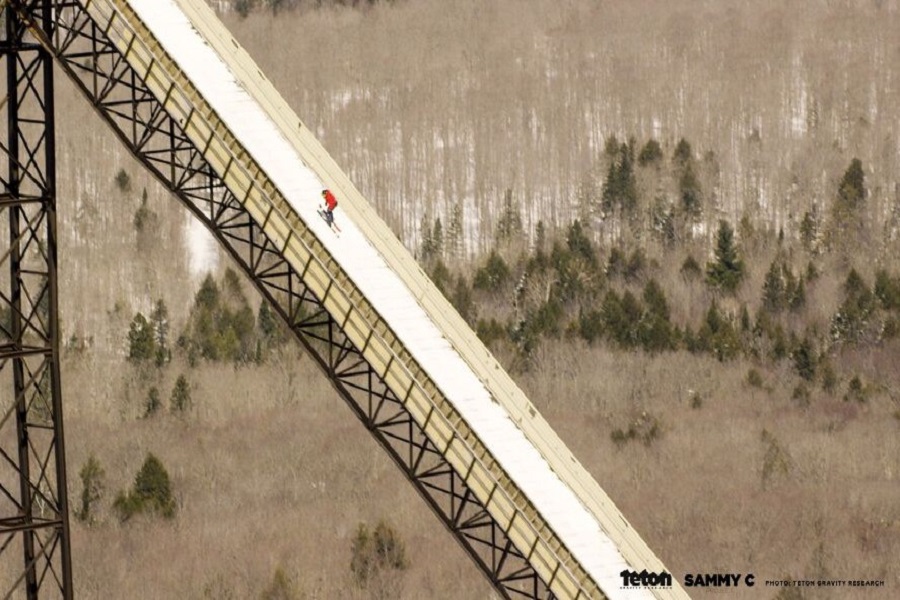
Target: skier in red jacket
[330,204]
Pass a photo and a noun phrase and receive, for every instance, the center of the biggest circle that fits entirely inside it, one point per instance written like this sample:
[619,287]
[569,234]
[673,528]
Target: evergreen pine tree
[887,290]
[453,241]
[610,192]
[153,403]
[683,153]
[160,319]
[510,223]
[773,289]
[462,300]
[797,298]
[727,271]
[92,488]
[440,276]
[426,246]
[655,331]
[651,153]
[207,297]
[852,317]
[852,189]
[141,339]
[689,187]
[493,274]
[437,237]
[540,237]
[804,357]
[152,492]
[271,330]
[809,229]
[180,400]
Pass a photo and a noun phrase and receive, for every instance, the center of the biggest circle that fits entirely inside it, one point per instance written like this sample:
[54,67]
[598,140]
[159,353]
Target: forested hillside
[675,222]
[458,105]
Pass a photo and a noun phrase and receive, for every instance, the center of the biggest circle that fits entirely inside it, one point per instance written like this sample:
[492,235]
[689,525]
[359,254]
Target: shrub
[144,218]
[856,391]
[123,181]
[776,460]
[754,379]
[696,400]
[829,377]
[280,588]
[801,394]
[690,268]
[645,428]
[377,552]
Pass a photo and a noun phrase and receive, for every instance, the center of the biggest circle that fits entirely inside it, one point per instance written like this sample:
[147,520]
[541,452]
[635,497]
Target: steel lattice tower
[34,528]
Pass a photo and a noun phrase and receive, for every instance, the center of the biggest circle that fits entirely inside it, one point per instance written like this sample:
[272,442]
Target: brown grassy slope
[265,477]
[268,477]
[698,495]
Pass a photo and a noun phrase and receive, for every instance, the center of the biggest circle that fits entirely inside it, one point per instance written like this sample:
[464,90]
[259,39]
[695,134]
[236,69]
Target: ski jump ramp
[511,489]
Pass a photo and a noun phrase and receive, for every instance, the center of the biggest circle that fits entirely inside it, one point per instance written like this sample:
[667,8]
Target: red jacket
[330,200]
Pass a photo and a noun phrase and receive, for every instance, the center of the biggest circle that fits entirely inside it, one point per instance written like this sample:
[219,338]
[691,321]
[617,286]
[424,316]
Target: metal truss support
[34,527]
[122,100]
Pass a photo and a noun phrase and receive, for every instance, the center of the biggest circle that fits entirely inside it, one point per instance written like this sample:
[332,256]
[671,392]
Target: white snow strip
[571,521]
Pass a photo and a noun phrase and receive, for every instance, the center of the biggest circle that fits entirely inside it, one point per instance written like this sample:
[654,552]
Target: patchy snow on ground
[203,253]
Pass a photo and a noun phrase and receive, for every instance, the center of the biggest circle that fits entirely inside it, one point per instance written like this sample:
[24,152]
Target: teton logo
[645,579]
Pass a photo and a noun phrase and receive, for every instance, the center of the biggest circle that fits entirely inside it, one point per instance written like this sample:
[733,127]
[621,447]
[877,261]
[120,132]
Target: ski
[333,225]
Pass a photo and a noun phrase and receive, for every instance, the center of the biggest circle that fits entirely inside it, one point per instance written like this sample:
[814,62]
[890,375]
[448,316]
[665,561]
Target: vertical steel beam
[35,558]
